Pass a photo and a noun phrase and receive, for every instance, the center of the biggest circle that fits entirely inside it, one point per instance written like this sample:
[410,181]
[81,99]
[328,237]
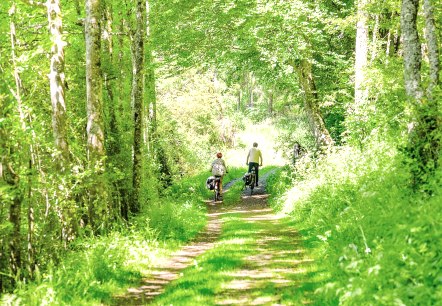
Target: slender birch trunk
[412,49]
[113,145]
[138,102]
[57,88]
[432,43]
[95,126]
[361,56]
[251,89]
[389,44]
[270,105]
[374,38]
[8,173]
[95,117]
[151,91]
[57,80]
[239,98]
[124,192]
[151,94]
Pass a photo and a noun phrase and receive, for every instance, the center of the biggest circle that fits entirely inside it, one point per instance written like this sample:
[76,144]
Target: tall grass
[375,241]
[96,268]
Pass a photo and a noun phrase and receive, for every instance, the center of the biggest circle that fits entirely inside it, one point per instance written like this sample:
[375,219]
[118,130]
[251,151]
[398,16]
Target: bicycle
[251,181]
[216,190]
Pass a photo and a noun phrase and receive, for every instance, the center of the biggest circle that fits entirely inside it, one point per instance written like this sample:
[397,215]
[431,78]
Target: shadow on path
[171,268]
[267,269]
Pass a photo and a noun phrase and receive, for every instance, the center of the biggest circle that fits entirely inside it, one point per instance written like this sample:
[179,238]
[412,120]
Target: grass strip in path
[258,260]
[170,269]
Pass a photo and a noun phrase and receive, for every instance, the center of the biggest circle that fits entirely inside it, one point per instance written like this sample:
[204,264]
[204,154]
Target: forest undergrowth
[374,240]
[96,268]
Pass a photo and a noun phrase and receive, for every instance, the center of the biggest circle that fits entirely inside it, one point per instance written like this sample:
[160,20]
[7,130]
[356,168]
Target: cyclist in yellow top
[254,159]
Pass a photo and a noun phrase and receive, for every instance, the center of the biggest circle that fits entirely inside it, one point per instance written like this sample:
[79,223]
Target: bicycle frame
[217,189]
[252,180]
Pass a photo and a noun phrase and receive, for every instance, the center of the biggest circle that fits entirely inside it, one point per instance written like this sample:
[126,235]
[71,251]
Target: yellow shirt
[254,156]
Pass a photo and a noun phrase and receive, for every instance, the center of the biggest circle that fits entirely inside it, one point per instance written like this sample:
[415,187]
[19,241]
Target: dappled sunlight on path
[170,269]
[256,260]
[277,266]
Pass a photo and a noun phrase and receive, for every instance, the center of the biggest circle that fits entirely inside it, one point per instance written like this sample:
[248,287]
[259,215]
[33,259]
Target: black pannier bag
[210,183]
[247,178]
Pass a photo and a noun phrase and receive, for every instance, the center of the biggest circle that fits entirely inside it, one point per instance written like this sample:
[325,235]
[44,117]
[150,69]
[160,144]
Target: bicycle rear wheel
[252,182]
[217,191]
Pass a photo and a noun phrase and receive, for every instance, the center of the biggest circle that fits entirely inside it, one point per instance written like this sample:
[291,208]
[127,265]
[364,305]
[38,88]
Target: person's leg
[256,171]
[251,165]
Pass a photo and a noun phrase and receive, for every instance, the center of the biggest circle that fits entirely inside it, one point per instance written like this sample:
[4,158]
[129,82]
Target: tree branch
[34,3]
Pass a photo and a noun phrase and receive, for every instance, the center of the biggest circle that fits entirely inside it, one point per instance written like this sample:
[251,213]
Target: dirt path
[267,267]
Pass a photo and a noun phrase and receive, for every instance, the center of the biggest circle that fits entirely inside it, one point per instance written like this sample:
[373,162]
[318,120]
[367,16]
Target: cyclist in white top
[219,162]
[254,159]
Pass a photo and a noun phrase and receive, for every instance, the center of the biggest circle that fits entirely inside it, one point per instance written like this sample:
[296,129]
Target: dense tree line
[88,136]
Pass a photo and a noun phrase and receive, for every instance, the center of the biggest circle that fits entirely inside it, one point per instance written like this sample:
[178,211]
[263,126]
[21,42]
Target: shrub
[375,240]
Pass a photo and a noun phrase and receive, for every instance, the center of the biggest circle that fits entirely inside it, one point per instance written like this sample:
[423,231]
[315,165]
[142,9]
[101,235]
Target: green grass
[375,241]
[243,266]
[94,269]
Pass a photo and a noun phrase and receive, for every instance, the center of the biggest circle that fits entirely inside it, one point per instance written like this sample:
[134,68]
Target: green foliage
[94,269]
[294,129]
[380,240]
[386,113]
[217,65]
[175,219]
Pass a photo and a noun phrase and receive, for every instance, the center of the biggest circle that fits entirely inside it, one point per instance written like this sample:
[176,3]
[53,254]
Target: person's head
[255,144]
[219,154]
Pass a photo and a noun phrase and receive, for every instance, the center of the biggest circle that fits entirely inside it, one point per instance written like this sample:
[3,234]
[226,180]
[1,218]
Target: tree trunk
[151,94]
[113,134]
[374,39]
[238,106]
[432,43]
[31,227]
[270,106]
[113,142]
[57,80]
[251,89]
[8,173]
[388,44]
[95,118]
[15,219]
[412,49]
[361,56]
[12,180]
[95,130]
[124,192]
[424,140]
[317,124]
[138,102]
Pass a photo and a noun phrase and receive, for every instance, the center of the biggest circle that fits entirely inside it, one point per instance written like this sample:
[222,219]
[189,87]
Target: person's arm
[260,157]
[247,162]
[225,166]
